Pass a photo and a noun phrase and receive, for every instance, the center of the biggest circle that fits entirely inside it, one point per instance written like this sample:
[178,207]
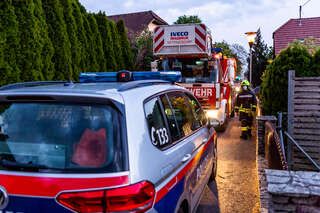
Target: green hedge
[58,39]
[274,87]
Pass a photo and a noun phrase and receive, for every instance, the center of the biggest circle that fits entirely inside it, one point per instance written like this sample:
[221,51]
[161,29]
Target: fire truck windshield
[193,70]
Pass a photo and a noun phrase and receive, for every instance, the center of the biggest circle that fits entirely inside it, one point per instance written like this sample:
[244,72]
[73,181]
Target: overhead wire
[300,8]
[306,3]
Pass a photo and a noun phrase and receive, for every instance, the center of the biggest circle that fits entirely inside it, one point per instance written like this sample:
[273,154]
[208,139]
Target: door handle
[205,140]
[186,158]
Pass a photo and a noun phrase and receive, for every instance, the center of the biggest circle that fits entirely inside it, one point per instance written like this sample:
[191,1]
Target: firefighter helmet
[245,83]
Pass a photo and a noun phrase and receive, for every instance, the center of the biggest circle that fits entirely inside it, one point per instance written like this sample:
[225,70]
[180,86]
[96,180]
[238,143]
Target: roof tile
[137,22]
[293,30]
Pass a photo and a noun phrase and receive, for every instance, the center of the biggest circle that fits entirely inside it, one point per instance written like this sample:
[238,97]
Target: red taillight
[134,198]
[138,198]
[83,201]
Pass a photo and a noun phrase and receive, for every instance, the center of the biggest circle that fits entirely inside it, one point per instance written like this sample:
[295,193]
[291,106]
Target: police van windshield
[193,70]
[60,137]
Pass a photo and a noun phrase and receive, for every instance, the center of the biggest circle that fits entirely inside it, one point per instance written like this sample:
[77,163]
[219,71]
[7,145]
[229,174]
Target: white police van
[115,142]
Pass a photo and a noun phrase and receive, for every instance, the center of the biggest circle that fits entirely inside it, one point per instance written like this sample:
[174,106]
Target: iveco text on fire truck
[205,72]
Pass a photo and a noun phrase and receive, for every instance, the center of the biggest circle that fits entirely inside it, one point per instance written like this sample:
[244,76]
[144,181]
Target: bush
[274,88]
[315,67]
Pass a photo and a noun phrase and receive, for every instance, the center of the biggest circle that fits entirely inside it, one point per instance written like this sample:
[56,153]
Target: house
[296,29]
[137,22]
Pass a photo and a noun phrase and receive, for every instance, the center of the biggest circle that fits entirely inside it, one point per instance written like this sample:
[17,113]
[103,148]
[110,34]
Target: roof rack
[33,83]
[141,83]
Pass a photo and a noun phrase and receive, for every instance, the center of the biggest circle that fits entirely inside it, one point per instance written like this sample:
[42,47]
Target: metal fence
[274,153]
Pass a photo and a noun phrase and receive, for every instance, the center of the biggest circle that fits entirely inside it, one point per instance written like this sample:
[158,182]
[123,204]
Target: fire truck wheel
[222,127]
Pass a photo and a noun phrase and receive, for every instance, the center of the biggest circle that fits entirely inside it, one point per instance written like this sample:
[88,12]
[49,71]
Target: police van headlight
[213,113]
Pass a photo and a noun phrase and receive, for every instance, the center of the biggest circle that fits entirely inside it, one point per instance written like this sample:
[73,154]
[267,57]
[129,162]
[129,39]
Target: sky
[227,19]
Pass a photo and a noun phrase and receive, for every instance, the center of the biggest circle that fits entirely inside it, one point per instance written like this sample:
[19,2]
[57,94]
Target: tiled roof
[293,30]
[137,22]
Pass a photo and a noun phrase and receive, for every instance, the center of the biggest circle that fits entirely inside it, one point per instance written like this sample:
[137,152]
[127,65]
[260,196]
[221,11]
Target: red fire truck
[188,48]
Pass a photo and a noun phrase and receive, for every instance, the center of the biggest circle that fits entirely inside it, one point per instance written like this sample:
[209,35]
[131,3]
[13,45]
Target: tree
[117,45]
[107,41]
[5,68]
[240,55]
[83,28]
[57,30]
[9,44]
[96,43]
[260,56]
[47,50]
[274,86]
[235,51]
[31,44]
[187,20]
[225,48]
[89,54]
[72,31]
[143,50]
[58,39]
[125,45]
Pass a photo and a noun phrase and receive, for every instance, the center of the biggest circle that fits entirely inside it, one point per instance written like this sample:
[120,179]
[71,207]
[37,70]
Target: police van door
[180,153]
[203,152]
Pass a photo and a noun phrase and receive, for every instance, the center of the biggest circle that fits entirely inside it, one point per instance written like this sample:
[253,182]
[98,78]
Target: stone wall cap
[304,174]
[293,183]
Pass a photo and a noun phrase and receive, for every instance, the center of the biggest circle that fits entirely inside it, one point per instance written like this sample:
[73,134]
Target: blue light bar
[98,77]
[217,50]
[172,76]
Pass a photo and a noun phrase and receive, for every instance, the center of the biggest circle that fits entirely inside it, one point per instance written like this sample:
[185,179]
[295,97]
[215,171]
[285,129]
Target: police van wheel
[215,165]
[183,208]
[180,210]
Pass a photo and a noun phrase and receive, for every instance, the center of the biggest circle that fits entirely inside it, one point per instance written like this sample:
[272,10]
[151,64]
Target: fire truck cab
[205,72]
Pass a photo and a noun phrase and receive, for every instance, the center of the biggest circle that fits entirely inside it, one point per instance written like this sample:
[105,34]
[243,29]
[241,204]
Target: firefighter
[246,104]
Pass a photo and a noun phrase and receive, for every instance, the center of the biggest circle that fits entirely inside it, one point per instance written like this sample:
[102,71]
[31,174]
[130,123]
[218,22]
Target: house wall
[152,26]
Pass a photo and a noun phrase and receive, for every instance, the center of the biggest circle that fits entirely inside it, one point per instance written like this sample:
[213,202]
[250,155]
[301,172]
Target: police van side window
[159,134]
[172,122]
[197,111]
[182,113]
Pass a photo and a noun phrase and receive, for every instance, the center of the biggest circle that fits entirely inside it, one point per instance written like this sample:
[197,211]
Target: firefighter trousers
[246,124]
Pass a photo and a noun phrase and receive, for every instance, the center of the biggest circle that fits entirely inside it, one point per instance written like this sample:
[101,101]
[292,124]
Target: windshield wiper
[16,165]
